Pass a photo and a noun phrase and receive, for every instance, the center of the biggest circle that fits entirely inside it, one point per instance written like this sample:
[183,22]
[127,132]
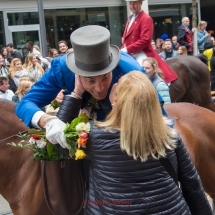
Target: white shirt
[7,95]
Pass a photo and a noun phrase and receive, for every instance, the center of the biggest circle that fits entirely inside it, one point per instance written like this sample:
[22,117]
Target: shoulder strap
[169,168]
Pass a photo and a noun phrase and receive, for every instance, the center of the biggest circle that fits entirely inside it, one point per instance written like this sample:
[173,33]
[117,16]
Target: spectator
[168,52]
[13,52]
[185,35]
[37,48]
[5,93]
[5,55]
[23,88]
[156,76]
[212,38]
[212,73]
[153,45]
[182,50]
[16,71]
[158,45]
[30,47]
[34,69]
[175,43]
[3,69]
[63,47]
[44,66]
[53,53]
[208,52]
[202,35]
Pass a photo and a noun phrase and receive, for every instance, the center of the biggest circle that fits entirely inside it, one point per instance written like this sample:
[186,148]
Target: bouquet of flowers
[76,134]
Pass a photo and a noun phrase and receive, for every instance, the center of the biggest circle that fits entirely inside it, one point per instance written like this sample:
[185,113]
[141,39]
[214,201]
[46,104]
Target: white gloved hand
[54,131]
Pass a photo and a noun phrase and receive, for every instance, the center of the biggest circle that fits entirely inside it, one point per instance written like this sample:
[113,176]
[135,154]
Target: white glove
[54,131]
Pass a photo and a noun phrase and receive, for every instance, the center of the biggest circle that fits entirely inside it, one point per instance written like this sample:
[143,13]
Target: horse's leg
[177,90]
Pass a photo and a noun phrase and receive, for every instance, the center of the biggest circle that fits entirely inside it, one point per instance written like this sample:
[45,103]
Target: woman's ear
[113,104]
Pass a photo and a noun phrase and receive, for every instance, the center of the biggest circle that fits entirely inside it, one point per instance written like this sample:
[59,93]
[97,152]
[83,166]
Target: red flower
[35,137]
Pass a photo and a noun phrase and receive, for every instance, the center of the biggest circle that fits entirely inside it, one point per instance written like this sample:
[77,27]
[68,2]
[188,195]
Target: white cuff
[36,117]
[124,50]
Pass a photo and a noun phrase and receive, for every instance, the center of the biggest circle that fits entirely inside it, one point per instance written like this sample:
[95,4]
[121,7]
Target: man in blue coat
[98,66]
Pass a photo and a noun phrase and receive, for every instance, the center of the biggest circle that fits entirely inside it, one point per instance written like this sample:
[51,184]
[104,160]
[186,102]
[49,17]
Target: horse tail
[203,58]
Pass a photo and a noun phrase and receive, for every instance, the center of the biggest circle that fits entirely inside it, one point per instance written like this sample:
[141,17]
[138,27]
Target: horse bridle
[15,135]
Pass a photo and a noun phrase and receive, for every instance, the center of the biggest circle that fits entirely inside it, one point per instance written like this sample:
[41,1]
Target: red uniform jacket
[139,38]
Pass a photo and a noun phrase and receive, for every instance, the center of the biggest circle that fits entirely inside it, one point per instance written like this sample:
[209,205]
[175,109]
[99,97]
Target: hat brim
[70,62]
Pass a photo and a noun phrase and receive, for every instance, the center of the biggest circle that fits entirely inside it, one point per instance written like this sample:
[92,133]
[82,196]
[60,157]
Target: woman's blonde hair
[24,78]
[21,88]
[138,116]
[37,48]
[28,65]
[201,23]
[12,69]
[184,50]
[155,67]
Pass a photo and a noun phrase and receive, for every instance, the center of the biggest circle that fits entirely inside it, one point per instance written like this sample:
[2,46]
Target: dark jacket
[12,84]
[16,54]
[185,38]
[16,98]
[213,69]
[118,184]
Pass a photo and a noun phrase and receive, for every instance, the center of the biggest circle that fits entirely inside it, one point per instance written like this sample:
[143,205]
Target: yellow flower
[79,154]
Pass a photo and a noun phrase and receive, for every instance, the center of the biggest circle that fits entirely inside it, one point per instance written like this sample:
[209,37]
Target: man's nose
[99,87]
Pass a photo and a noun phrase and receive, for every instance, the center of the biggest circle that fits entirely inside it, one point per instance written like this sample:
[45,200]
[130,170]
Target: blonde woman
[150,65]
[35,70]
[126,174]
[202,35]
[16,71]
[182,50]
[23,88]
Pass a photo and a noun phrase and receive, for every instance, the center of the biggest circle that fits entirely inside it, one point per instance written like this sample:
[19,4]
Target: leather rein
[15,135]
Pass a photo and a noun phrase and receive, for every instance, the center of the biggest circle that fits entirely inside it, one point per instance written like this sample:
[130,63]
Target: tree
[194,18]
[194,23]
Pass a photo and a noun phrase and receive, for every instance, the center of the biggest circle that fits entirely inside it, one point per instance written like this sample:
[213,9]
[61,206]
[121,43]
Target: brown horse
[193,84]
[20,181]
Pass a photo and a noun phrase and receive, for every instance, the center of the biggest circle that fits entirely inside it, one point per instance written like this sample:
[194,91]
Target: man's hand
[54,131]
[79,89]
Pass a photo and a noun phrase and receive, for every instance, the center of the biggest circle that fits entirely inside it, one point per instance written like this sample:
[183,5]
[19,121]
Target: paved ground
[4,207]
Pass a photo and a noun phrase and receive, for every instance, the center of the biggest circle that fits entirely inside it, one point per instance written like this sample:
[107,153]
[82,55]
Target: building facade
[19,20]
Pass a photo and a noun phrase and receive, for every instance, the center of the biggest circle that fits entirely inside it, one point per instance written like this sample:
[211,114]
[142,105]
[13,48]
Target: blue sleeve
[200,38]
[46,89]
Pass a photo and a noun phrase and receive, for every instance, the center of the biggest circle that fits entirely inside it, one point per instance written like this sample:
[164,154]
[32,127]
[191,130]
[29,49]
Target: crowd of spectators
[18,74]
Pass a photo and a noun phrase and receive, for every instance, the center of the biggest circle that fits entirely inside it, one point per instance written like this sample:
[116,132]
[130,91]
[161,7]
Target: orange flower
[82,141]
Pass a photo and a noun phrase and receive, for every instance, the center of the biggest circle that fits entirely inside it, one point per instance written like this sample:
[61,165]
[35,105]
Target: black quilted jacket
[118,184]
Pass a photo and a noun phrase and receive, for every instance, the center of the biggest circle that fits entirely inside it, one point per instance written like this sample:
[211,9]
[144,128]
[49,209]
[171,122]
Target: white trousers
[139,57]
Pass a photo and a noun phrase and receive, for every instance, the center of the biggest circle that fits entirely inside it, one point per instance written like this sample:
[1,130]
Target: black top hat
[93,55]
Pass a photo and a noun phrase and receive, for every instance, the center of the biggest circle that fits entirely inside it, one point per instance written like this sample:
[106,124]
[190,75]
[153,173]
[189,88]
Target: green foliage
[55,104]
[42,148]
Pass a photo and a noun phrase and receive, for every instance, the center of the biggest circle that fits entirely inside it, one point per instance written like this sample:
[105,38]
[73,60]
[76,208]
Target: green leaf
[75,122]
[50,148]
[67,128]
[71,152]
